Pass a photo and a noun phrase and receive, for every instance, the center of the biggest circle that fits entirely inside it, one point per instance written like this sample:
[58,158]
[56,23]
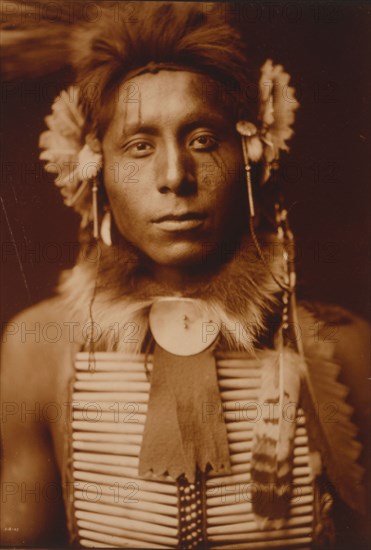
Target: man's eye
[142,146]
[204,142]
[139,148]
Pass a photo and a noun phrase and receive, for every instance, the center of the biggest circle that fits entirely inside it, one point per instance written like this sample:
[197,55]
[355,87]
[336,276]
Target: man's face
[172,169]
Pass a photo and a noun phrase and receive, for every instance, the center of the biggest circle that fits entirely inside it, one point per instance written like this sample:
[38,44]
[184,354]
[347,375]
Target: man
[163,408]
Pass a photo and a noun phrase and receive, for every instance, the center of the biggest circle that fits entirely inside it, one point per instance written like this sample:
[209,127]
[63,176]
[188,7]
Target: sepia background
[324,46]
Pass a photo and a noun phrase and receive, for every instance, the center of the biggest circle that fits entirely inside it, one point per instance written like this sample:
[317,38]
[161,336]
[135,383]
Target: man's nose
[176,173]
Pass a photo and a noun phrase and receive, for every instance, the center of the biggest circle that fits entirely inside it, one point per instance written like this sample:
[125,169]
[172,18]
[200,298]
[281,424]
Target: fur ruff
[240,293]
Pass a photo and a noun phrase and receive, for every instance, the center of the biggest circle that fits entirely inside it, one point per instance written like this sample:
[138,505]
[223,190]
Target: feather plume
[36,37]
[271,462]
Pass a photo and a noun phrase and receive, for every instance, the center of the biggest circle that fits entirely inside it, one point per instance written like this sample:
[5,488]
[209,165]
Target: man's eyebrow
[206,119]
[132,129]
[190,123]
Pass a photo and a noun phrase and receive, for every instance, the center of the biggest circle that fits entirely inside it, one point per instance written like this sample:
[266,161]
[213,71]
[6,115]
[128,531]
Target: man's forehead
[168,81]
[168,96]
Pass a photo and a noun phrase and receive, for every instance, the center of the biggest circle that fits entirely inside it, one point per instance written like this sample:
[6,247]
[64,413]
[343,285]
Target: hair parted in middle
[193,35]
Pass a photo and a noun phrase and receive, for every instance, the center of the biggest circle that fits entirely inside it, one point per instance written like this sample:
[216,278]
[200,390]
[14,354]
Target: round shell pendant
[182,326]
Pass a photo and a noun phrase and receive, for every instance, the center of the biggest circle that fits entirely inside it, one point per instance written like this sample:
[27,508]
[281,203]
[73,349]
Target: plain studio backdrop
[324,46]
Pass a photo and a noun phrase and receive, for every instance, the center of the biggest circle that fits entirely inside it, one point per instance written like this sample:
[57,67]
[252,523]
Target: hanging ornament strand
[246,130]
[94,190]
[289,314]
[92,362]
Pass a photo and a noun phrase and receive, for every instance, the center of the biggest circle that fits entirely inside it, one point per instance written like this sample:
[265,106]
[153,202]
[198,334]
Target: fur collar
[240,292]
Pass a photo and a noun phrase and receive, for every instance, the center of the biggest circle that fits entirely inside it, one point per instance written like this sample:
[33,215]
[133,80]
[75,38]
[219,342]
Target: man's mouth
[180,222]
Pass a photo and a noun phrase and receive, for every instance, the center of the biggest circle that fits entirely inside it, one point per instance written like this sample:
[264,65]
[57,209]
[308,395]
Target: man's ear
[93,142]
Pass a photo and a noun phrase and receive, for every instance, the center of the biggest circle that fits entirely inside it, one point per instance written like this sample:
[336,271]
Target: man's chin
[180,254]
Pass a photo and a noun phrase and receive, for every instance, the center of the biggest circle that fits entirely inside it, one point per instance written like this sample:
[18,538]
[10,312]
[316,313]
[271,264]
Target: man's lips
[180,222]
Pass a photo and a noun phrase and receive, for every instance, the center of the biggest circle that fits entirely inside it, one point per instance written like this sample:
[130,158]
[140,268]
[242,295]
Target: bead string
[190,510]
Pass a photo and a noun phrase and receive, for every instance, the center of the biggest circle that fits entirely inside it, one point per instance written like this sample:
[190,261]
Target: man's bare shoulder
[341,337]
[35,345]
[47,310]
[346,334]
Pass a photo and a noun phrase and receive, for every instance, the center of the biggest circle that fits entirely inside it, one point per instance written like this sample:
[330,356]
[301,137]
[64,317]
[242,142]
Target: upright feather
[271,463]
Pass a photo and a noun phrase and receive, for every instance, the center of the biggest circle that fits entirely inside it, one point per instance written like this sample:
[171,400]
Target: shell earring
[105,229]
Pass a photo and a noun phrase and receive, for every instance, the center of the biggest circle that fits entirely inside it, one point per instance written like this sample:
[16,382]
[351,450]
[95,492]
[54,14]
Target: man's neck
[178,277]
